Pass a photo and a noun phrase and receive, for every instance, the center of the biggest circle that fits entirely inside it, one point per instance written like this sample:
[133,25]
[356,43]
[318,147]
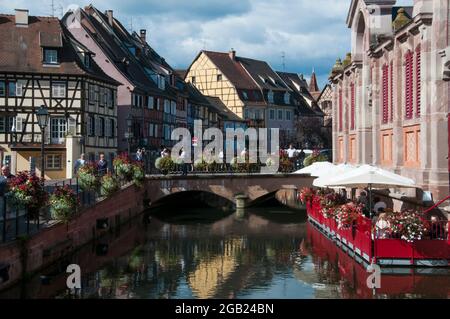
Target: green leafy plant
[63,203]
[27,191]
[314,157]
[109,185]
[87,177]
[123,167]
[138,174]
[166,165]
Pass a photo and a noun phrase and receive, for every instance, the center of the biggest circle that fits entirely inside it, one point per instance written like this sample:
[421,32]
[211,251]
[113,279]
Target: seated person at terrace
[382,227]
[378,204]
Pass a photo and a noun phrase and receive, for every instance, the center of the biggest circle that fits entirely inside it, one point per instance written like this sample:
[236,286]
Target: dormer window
[87,60]
[287,98]
[50,56]
[270,96]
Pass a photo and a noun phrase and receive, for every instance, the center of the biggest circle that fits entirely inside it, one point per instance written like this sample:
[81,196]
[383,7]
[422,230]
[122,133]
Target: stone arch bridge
[241,189]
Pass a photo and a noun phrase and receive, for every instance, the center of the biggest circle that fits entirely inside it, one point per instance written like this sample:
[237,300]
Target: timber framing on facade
[57,72]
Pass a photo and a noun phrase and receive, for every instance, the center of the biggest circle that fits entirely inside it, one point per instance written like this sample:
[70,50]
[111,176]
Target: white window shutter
[19,89]
[19,124]
[72,125]
[47,137]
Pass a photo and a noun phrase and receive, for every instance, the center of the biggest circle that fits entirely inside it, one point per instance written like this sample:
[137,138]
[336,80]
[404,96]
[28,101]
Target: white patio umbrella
[315,168]
[328,175]
[371,177]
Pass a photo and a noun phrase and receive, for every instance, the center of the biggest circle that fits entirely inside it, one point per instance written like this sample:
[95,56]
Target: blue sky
[311,33]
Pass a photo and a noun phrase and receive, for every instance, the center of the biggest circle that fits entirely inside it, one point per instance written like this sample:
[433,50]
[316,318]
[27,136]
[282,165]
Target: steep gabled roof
[232,70]
[313,86]
[263,75]
[296,84]
[21,48]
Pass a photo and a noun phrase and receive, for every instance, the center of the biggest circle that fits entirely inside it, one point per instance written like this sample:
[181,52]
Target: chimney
[143,34]
[109,14]
[21,17]
[232,54]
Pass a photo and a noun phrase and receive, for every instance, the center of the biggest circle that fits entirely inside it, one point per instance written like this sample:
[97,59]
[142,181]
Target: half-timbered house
[41,64]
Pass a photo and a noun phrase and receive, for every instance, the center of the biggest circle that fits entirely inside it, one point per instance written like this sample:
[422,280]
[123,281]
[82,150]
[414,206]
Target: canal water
[206,253]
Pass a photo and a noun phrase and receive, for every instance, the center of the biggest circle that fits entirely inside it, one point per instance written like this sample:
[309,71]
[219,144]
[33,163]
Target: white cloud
[311,33]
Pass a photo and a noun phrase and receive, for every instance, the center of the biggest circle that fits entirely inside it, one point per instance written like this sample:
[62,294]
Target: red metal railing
[435,246]
[436,205]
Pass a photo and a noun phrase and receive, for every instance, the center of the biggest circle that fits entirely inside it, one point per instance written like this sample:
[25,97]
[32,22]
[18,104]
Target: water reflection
[267,253]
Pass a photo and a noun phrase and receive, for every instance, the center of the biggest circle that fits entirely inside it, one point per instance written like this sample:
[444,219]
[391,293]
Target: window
[161,82]
[272,114]
[219,77]
[391,85]
[352,106]
[3,124]
[53,161]
[150,102]
[110,98]
[288,115]
[270,96]
[280,114]
[287,98]
[193,80]
[2,88]
[91,93]
[167,106]
[246,114]
[58,129]
[385,89]
[11,88]
[418,81]
[409,85]
[91,125]
[245,95]
[87,60]
[50,56]
[7,124]
[112,127]
[151,130]
[59,89]
[101,123]
[173,108]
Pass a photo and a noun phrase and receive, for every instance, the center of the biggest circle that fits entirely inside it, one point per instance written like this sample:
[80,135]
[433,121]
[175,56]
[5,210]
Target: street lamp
[42,117]
[129,134]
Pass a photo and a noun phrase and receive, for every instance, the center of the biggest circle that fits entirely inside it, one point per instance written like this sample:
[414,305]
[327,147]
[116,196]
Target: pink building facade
[391,94]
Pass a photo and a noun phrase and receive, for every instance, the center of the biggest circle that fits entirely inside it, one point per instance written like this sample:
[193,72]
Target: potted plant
[138,174]
[166,165]
[109,185]
[27,191]
[407,225]
[306,195]
[63,203]
[123,167]
[347,215]
[87,177]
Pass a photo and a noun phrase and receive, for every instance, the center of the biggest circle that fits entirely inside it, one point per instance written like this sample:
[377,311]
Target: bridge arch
[226,186]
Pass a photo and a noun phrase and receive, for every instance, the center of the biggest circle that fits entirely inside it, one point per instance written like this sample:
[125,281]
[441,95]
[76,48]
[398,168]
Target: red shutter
[385,87]
[418,80]
[352,107]
[340,110]
[409,85]
[391,83]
